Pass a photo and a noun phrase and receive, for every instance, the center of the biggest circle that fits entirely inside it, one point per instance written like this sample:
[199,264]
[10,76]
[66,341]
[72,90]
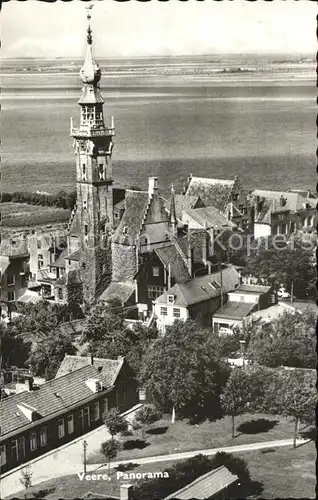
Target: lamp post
[243,343]
[84,458]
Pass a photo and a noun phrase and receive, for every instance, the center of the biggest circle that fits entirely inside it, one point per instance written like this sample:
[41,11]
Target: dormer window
[170,299]
[155,271]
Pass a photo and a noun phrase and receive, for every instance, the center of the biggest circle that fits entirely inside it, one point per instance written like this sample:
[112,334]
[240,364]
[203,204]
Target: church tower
[93,144]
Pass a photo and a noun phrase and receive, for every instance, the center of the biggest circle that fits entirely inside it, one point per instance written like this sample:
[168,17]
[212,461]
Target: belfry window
[86,229]
[101,172]
[84,172]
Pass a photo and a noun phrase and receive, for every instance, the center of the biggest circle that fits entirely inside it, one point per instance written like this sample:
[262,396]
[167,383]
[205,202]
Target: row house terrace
[41,419]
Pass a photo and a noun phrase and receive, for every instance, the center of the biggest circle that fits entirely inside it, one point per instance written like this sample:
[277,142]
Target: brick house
[41,419]
[14,271]
[197,299]
[227,196]
[283,212]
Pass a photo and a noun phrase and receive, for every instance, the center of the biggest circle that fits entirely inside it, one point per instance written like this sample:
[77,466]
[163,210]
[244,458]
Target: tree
[181,370]
[110,449]
[289,264]
[103,323]
[147,415]
[115,423]
[236,395]
[289,340]
[14,351]
[47,355]
[109,337]
[26,480]
[293,394]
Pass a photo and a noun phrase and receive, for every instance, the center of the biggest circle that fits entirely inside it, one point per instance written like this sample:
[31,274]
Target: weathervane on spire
[89,30]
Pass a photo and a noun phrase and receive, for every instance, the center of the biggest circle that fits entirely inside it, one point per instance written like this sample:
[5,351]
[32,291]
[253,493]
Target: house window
[96,411]
[84,205]
[3,457]
[164,311]
[70,424]
[43,436]
[292,227]
[14,450]
[170,299]
[284,228]
[81,419]
[116,215]
[312,221]
[86,417]
[241,208]
[176,313]
[11,280]
[11,296]
[33,441]
[60,428]
[60,293]
[39,244]
[104,406]
[155,271]
[155,291]
[40,261]
[84,172]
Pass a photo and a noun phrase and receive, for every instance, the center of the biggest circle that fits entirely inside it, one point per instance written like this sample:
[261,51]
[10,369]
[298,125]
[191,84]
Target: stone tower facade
[93,144]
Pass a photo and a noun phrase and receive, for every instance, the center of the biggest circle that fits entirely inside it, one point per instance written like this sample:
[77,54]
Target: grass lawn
[283,473]
[165,438]
[22,214]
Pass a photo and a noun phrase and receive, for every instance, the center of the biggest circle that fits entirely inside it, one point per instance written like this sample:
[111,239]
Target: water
[259,126]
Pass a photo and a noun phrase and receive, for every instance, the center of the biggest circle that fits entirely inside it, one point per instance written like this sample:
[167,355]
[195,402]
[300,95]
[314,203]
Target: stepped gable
[215,192]
[108,368]
[136,203]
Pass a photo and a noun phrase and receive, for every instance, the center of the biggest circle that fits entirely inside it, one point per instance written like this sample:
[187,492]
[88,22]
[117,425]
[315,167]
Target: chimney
[205,245]
[152,186]
[29,383]
[126,491]
[92,358]
[169,276]
[190,270]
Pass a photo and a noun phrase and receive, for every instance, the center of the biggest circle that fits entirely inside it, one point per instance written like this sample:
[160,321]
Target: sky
[126,29]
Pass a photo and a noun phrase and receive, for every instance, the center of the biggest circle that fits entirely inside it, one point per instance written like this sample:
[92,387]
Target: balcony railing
[92,132]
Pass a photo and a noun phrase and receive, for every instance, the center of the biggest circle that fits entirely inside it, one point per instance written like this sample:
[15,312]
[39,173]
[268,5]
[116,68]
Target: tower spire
[89,29]
[173,216]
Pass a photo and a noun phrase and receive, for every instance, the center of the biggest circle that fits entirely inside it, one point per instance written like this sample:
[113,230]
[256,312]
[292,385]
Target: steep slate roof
[74,256]
[209,215]
[183,202]
[200,289]
[123,290]
[206,486]
[215,192]
[14,248]
[235,310]
[60,261]
[170,255]
[108,368]
[295,200]
[53,396]
[136,203]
